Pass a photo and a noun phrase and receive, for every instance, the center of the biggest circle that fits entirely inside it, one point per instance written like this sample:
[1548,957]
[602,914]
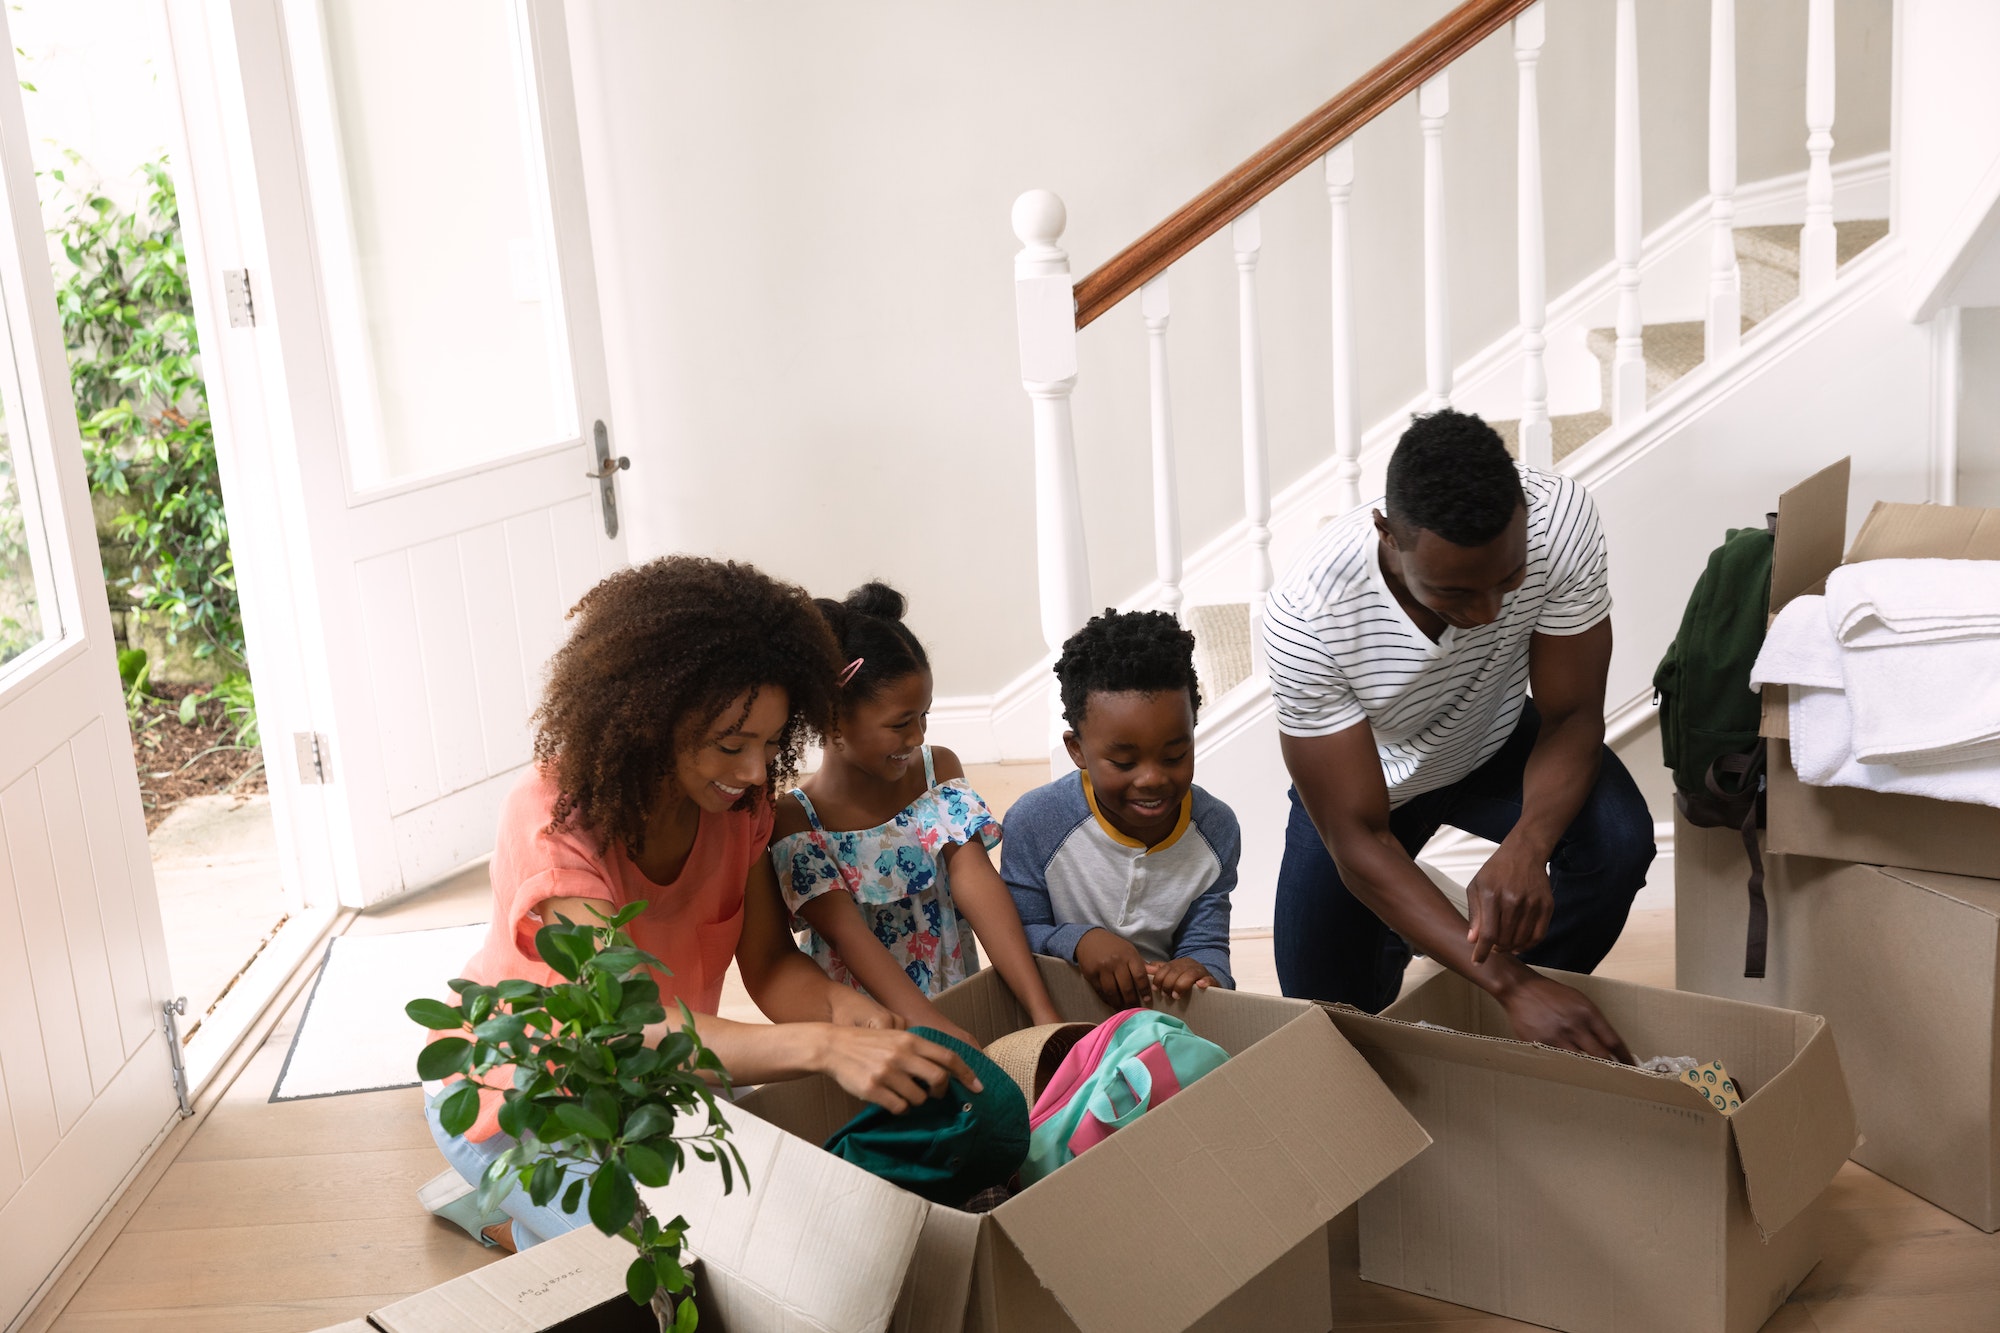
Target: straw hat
[1032,1055]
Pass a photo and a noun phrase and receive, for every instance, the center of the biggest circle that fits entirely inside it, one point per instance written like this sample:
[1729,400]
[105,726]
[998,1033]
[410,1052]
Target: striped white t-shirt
[1342,649]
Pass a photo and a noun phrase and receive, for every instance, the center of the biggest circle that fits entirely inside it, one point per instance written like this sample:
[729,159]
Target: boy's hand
[1180,977]
[1113,968]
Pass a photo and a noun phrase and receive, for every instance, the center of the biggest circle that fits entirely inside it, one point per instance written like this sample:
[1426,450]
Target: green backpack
[1709,713]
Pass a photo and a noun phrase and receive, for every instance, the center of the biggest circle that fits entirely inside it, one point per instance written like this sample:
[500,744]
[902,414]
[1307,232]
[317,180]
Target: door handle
[608,467]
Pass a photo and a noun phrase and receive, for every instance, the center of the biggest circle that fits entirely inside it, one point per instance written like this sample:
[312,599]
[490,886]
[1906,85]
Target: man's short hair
[1451,474]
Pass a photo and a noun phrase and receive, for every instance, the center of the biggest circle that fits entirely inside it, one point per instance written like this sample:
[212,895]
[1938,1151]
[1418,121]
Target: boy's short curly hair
[654,654]
[1451,474]
[1140,651]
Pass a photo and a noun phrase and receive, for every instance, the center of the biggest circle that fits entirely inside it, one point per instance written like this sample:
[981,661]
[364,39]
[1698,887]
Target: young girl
[682,694]
[883,849]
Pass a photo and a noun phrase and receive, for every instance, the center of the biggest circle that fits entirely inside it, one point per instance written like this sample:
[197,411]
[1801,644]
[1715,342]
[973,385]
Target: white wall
[801,222]
[1979,408]
[97,90]
[1948,142]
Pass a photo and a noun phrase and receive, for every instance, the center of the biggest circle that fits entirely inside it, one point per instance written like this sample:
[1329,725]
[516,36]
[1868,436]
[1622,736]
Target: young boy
[1125,867]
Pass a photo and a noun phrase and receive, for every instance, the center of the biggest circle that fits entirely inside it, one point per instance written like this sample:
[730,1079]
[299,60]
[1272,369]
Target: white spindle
[1045,313]
[1433,102]
[1346,430]
[1166,499]
[1724,333]
[1816,243]
[1628,362]
[1248,237]
[1537,442]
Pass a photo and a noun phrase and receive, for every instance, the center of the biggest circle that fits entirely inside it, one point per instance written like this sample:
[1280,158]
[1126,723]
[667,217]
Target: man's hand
[1509,903]
[895,1070]
[1551,1013]
[1179,977]
[1113,968]
[849,1008]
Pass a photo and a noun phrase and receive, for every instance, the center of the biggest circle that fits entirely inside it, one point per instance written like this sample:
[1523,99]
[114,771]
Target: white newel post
[1247,235]
[1346,427]
[1724,331]
[1537,440]
[1628,362]
[1166,497]
[1433,103]
[1045,313]
[1816,242]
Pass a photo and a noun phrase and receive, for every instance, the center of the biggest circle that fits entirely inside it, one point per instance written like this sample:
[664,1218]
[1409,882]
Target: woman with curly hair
[681,698]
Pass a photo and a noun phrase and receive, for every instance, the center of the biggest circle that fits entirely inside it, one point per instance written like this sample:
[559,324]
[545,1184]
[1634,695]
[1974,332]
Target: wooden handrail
[1431,52]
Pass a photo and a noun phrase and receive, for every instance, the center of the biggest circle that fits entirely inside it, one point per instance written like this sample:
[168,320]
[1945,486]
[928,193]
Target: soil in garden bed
[177,762]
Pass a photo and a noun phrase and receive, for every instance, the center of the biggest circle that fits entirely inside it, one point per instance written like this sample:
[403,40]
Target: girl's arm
[838,920]
[979,893]
[786,985]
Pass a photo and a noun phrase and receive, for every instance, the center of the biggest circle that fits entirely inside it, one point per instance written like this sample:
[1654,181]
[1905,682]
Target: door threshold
[223,1029]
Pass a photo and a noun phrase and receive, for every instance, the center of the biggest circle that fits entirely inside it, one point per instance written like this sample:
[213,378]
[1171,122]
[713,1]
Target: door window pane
[447,314]
[26,606]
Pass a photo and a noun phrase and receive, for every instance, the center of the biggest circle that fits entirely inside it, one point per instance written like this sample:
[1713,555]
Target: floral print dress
[896,878]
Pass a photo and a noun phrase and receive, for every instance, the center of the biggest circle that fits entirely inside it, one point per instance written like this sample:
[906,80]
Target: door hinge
[315,758]
[171,1011]
[236,294]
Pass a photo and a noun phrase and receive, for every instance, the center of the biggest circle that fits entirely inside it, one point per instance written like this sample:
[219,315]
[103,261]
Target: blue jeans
[532,1224]
[1331,946]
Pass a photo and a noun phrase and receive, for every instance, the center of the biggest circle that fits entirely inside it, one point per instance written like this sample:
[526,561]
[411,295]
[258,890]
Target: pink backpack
[1128,1064]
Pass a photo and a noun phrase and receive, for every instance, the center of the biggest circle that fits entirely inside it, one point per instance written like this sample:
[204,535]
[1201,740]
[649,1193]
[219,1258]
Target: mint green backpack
[1128,1064]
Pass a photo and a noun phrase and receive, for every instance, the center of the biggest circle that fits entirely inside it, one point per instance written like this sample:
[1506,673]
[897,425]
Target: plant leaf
[572,1117]
[544,1181]
[459,1109]
[641,1281]
[687,1317]
[572,1196]
[447,1055]
[647,1121]
[612,1199]
[435,1015]
[647,1166]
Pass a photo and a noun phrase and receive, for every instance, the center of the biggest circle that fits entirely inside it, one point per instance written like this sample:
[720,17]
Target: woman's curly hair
[654,656]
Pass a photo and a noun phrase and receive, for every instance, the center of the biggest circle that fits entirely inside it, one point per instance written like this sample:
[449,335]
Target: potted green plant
[586,1096]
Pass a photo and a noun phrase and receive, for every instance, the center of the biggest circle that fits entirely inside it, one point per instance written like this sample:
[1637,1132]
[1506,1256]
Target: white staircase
[1699,422]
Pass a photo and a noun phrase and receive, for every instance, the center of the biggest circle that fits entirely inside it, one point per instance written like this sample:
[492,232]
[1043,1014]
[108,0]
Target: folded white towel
[1822,754]
[1798,649]
[1924,703]
[1880,602]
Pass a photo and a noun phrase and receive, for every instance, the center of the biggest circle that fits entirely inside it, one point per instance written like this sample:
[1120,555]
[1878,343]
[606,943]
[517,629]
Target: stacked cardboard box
[1586,1195]
[1208,1212]
[1884,909]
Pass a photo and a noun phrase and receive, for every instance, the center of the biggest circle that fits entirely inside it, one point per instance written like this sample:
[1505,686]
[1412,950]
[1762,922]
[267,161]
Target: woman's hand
[894,1070]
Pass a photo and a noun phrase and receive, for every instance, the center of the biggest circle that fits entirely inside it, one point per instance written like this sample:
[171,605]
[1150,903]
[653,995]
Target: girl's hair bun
[875,598]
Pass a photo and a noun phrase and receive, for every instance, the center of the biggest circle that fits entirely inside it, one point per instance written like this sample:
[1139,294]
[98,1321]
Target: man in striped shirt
[1403,648]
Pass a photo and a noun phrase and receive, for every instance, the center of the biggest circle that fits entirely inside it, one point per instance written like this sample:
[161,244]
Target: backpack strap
[1747,772]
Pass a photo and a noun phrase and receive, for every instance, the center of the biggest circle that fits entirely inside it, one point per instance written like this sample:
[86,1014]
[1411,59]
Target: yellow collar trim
[1111,831]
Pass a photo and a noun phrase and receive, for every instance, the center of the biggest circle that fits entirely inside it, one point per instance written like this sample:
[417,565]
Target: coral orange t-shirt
[691,925]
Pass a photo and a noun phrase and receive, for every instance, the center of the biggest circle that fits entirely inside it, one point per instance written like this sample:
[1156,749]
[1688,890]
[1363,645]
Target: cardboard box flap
[791,1237]
[1158,1224]
[1981,895]
[1812,532]
[530,1291]
[1920,532]
[1795,1131]
[1371,1032]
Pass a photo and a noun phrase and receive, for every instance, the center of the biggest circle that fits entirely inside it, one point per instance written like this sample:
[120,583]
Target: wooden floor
[296,1215]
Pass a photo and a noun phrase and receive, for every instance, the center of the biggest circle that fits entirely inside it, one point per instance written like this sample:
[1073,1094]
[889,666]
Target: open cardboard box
[1208,1212]
[571,1284]
[1585,1195]
[1906,966]
[1847,823]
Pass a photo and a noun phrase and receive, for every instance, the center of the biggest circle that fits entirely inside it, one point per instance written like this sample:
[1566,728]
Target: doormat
[354,1035]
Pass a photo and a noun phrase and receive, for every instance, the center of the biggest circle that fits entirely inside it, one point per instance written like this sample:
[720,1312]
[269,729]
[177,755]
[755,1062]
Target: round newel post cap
[1039,219]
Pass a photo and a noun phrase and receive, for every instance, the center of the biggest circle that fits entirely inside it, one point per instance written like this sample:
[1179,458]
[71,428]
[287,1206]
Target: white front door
[404,193]
[86,1085]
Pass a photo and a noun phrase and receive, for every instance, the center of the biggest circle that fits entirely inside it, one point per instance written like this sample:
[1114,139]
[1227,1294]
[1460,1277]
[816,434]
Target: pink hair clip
[852,667]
